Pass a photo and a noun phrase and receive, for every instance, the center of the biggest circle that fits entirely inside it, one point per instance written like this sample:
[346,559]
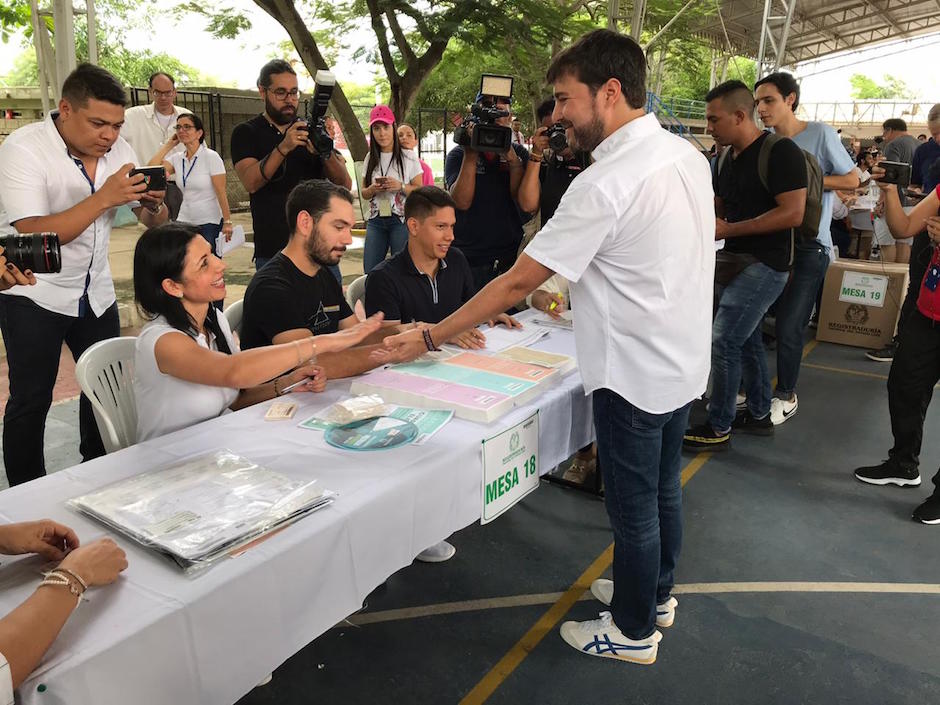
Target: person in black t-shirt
[548,173]
[294,296]
[429,279]
[485,187]
[756,223]
[272,153]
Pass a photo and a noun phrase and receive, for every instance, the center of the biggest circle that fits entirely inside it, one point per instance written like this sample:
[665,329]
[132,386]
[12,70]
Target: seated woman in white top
[200,174]
[29,630]
[188,367]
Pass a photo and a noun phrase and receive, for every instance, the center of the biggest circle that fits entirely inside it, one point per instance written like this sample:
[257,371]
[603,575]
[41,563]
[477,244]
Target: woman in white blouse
[187,365]
[200,174]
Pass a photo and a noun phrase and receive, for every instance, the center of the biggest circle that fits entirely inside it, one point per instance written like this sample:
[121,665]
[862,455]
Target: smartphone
[896,173]
[155,177]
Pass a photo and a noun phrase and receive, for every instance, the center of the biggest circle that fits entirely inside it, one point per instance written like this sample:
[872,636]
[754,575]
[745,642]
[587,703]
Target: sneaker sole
[875,358]
[882,481]
[717,448]
[666,622]
[928,522]
[642,662]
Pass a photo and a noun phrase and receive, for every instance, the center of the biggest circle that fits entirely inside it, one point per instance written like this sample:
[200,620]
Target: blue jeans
[383,233]
[210,231]
[794,309]
[737,347]
[640,459]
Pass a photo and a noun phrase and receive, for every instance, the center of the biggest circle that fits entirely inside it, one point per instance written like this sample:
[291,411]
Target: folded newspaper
[203,509]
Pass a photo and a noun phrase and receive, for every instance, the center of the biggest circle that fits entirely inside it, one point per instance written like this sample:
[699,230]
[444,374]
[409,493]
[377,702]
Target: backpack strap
[763,158]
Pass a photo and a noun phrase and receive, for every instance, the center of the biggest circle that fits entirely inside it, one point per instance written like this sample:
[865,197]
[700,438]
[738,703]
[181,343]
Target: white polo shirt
[39,177]
[635,236]
[194,177]
[6,682]
[145,134]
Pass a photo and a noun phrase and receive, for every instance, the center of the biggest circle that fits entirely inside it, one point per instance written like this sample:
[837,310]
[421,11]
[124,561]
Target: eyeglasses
[282,93]
[184,128]
[163,94]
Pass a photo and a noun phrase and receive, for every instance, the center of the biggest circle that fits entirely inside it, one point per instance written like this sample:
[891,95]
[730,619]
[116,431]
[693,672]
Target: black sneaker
[704,437]
[744,422]
[888,473]
[886,354]
[929,511]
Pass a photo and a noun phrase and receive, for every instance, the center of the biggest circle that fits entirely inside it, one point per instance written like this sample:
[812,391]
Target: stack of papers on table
[563,363]
[203,509]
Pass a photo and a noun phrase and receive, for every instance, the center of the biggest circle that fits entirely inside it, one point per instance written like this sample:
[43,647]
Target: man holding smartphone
[67,175]
[272,153]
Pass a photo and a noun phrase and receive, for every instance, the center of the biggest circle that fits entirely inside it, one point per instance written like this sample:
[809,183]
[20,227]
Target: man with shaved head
[760,195]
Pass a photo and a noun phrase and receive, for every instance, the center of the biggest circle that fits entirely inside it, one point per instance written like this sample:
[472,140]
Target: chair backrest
[233,314]
[105,372]
[356,291]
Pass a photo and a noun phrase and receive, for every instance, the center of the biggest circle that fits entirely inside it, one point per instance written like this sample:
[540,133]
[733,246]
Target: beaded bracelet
[428,341]
[60,578]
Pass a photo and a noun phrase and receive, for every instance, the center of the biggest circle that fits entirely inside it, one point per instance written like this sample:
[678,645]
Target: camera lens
[37,252]
[557,138]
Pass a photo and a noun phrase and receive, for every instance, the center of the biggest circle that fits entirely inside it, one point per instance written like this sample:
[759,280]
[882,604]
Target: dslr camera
[557,137]
[479,130]
[38,252]
[315,114]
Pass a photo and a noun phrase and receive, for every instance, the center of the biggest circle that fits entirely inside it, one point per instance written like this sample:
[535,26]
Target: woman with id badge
[390,175]
[201,177]
[915,369]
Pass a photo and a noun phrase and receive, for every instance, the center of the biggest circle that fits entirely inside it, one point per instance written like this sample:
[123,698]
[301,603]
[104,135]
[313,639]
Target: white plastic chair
[233,314]
[105,372]
[356,291]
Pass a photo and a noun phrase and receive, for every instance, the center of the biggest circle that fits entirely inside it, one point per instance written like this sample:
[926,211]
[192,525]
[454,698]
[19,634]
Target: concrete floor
[797,584]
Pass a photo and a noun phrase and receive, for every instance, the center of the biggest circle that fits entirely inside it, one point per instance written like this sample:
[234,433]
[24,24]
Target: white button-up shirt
[39,177]
[635,236]
[146,135]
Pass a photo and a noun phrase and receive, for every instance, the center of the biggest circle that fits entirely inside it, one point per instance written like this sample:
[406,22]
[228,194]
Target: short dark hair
[546,108]
[425,201]
[272,67]
[313,196]
[599,56]
[733,94]
[161,73]
[785,84]
[197,123]
[88,81]
[894,124]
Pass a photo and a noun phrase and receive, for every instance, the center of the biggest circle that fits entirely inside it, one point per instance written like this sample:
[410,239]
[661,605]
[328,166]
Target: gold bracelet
[58,578]
[300,357]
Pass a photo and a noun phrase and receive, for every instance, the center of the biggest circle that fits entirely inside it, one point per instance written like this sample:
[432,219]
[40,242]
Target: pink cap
[381,113]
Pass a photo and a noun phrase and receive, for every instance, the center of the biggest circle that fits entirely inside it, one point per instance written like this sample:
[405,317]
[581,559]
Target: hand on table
[97,563]
[48,538]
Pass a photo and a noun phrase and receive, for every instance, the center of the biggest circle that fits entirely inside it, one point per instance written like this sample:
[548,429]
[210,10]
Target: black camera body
[485,135]
[39,253]
[315,114]
[896,173]
[557,137]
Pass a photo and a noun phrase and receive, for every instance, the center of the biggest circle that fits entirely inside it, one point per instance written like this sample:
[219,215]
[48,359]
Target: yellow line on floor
[548,598]
[857,373]
[508,663]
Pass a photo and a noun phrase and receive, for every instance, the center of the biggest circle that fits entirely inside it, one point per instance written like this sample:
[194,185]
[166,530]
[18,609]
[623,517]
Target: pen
[289,387]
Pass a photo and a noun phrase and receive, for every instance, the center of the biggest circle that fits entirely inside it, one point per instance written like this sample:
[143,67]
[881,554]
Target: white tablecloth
[158,637]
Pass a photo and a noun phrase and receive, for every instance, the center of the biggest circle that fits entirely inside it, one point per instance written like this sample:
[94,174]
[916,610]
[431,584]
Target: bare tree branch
[400,39]
[378,26]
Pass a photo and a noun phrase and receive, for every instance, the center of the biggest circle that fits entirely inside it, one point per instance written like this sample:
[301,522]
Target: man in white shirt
[66,175]
[634,234]
[148,127]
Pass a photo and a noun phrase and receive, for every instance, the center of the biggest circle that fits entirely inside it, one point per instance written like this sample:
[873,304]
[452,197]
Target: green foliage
[866,88]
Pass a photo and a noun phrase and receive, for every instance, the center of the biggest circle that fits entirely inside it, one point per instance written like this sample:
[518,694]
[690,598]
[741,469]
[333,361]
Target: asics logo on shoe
[603,645]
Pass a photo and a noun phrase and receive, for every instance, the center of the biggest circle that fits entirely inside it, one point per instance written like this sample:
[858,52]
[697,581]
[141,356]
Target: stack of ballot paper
[203,509]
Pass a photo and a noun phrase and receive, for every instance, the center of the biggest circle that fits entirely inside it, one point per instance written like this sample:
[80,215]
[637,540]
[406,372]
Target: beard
[587,137]
[319,253]
[284,116]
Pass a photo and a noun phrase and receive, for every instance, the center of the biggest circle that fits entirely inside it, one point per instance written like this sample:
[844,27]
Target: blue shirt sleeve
[452,165]
[839,161]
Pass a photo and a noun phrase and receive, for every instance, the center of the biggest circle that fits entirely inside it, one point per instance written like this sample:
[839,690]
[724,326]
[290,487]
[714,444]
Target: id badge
[385,207]
[933,277]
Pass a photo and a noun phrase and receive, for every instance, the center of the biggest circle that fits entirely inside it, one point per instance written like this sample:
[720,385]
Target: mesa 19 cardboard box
[861,302]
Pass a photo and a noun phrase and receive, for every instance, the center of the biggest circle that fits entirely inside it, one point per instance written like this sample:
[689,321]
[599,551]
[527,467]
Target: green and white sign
[862,288]
[510,467]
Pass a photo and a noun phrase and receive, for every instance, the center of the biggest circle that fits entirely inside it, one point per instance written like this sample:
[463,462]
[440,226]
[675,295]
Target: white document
[223,246]
[501,337]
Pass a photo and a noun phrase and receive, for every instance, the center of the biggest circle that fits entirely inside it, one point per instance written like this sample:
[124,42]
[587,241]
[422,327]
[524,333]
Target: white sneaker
[740,402]
[438,553]
[603,590]
[600,637]
[782,410]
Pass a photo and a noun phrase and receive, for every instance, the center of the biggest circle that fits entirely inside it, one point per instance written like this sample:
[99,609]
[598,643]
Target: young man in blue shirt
[778,96]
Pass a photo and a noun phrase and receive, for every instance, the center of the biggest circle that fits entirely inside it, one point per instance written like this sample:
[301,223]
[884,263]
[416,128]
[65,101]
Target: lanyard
[83,302]
[187,173]
[81,166]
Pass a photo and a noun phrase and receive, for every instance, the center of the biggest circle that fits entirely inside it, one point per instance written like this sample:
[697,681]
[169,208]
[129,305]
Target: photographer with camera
[66,175]
[276,150]
[483,176]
